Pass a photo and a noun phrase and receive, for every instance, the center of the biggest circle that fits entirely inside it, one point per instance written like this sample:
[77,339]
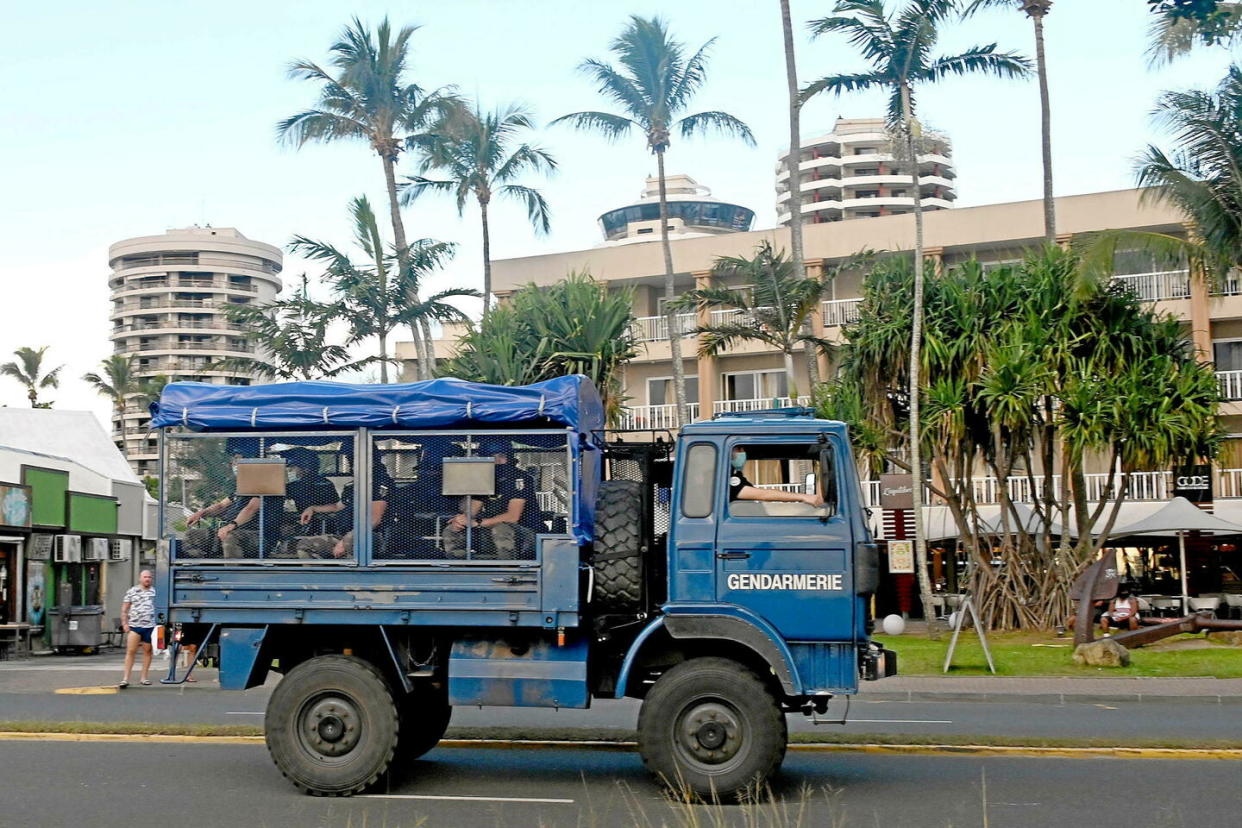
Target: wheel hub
[710,733]
[331,726]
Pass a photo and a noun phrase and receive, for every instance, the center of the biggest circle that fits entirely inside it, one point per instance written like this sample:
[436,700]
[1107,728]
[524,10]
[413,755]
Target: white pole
[1181,548]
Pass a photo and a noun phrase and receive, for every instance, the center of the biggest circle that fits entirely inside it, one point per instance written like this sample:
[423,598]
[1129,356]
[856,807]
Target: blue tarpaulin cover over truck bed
[570,402]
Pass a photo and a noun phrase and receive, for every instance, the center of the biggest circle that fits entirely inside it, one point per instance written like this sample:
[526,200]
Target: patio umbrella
[1175,519]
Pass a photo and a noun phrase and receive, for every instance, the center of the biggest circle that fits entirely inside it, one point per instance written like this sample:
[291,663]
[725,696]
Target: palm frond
[721,122]
[610,126]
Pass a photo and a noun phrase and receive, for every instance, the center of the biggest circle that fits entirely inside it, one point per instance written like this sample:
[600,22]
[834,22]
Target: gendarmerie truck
[397,550]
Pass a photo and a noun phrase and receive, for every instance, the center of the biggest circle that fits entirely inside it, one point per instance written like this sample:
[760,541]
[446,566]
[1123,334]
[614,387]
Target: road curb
[1049,698]
[1234,754]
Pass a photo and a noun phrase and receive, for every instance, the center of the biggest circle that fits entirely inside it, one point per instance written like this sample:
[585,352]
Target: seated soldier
[305,488]
[202,542]
[331,546]
[506,522]
[742,489]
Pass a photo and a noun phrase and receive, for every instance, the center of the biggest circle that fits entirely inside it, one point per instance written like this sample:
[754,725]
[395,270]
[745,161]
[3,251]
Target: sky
[127,119]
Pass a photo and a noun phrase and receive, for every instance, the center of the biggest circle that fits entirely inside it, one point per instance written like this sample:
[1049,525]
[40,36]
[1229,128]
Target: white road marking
[468,798]
[899,721]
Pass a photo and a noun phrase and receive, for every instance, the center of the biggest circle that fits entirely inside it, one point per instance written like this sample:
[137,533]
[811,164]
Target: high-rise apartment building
[169,297]
[853,172]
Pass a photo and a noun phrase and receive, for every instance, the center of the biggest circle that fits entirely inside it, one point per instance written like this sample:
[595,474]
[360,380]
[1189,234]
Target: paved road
[27,693]
[225,785]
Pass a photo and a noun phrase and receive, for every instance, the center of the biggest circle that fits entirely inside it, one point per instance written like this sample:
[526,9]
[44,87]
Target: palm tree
[576,326]
[1177,31]
[371,299]
[655,83]
[1036,10]
[117,382]
[294,334]
[369,100]
[28,370]
[793,164]
[475,151]
[899,48]
[773,300]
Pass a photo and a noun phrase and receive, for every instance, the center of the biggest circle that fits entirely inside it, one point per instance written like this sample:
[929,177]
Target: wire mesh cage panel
[239,498]
[483,496]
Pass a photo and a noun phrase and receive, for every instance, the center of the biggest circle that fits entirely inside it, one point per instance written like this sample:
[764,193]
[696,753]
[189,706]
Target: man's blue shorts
[144,633]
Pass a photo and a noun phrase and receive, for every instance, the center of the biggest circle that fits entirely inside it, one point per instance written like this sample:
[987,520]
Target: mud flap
[240,667]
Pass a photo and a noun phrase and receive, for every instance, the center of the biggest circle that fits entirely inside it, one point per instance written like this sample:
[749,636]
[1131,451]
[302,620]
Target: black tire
[711,727]
[618,546]
[425,714]
[332,726]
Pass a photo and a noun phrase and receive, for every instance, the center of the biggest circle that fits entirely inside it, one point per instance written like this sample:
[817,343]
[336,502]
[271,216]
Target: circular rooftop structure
[691,212]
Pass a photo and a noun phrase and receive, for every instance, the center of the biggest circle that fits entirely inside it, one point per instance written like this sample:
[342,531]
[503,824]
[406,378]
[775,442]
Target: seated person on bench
[1122,611]
[199,542]
[508,520]
[742,489]
[329,546]
[305,488]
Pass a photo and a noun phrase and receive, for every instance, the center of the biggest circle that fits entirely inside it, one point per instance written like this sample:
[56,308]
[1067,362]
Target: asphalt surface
[28,692]
[73,784]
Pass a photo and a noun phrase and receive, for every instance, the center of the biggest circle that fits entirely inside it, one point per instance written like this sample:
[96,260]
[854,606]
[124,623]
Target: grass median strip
[622,739]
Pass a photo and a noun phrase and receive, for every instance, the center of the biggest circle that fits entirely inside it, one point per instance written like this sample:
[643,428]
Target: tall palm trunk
[420,334]
[487,258]
[1045,133]
[916,354]
[670,312]
[793,163]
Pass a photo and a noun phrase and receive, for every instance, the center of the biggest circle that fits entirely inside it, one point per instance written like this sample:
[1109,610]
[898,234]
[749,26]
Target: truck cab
[722,577]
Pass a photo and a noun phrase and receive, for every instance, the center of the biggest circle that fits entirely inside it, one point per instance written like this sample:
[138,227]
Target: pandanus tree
[365,96]
[372,298]
[29,370]
[653,85]
[900,47]
[476,157]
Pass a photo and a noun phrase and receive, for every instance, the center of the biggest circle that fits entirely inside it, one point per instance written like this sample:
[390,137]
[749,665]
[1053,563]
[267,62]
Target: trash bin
[76,627]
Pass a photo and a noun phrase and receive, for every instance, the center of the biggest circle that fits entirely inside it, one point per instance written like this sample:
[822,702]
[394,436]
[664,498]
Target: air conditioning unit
[96,549]
[40,548]
[120,549]
[67,549]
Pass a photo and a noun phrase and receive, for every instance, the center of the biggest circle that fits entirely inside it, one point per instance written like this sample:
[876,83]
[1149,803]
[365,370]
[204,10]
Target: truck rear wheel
[618,545]
[425,714]
[332,726]
[710,726]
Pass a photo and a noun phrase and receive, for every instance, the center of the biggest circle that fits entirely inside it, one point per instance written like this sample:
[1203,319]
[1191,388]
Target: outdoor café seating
[1233,602]
[1205,603]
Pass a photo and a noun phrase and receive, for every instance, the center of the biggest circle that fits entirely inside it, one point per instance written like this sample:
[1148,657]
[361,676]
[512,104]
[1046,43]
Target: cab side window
[782,480]
[698,491]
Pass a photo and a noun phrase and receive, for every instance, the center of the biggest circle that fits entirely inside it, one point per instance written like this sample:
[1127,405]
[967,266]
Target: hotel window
[755,385]
[660,390]
[1227,355]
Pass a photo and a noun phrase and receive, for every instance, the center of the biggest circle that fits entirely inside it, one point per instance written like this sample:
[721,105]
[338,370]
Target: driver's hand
[814,499]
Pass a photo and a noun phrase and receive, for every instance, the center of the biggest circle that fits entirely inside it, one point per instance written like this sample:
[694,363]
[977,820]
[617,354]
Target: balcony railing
[1152,287]
[839,312]
[174,325]
[1230,384]
[758,404]
[654,416]
[188,346]
[655,328]
[156,304]
[188,284]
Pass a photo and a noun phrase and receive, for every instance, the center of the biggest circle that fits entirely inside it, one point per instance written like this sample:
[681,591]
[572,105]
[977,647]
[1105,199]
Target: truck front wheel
[710,726]
[332,726]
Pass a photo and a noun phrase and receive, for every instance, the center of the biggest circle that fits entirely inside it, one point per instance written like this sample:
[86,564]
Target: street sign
[901,557]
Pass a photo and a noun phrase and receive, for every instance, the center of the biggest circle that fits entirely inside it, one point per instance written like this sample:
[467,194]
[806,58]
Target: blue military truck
[397,550]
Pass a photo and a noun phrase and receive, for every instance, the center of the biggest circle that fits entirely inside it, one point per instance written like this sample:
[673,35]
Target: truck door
[788,562]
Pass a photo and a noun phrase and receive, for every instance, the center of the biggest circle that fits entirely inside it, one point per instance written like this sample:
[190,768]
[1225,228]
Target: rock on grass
[1102,653]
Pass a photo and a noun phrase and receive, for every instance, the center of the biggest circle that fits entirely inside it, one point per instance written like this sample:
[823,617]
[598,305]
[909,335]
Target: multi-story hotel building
[853,172]
[169,296]
[750,375]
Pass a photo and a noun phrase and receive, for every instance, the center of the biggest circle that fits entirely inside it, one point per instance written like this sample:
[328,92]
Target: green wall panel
[48,488]
[92,514]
